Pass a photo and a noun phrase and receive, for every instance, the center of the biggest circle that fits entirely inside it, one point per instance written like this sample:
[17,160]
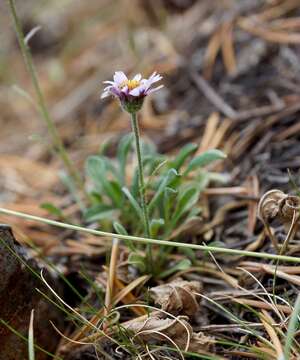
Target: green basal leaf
[201,180]
[100,212]
[184,153]
[150,163]
[180,266]
[194,212]
[119,228]
[97,171]
[104,147]
[108,215]
[148,148]
[161,162]
[168,200]
[122,231]
[165,181]
[110,167]
[124,148]
[190,253]
[183,265]
[156,164]
[52,209]
[117,189]
[150,157]
[134,204]
[155,226]
[135,184]
[204,159]
[95,198]
[174,198]
[187,198]
[138,261]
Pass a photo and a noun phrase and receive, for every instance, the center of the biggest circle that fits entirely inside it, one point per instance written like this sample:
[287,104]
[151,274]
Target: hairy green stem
[206,248]
[135,129]
[56,140]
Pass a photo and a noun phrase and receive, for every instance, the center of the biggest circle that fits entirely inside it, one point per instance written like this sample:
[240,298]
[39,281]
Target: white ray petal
[154,89]
[105,94]
[137,77]
[120,77]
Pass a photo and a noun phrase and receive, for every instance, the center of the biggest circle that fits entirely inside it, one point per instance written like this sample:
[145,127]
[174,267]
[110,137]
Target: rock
[18,296]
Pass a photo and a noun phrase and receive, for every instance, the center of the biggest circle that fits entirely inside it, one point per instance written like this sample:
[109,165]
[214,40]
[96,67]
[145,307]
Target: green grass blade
[17,333]
[292,328]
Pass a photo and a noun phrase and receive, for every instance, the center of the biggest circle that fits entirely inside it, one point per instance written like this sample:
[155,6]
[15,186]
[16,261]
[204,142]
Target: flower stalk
[135,129]
[131,94]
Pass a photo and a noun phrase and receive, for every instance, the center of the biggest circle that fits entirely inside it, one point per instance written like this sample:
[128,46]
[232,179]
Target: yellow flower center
[132,84]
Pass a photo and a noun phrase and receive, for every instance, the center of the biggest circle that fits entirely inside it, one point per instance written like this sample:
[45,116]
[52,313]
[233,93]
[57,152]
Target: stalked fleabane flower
[131,92]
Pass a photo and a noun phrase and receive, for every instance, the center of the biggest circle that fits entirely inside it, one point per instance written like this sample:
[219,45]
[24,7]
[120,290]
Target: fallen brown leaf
[177,296]
[158,328]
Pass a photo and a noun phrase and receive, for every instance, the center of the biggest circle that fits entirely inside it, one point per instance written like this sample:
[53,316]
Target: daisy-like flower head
[131,92]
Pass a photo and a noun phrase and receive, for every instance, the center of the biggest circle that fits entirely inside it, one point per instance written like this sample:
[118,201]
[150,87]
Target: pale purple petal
[144,82]
[125,89]
[149,91]
[115,91]
[119,77]
[137,91]
[155,77]
[119,87]
[152,79]
[134,92]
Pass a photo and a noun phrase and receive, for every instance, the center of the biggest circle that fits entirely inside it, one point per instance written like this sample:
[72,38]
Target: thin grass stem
[143,240]
[292,328]
[56,140]
[21,336]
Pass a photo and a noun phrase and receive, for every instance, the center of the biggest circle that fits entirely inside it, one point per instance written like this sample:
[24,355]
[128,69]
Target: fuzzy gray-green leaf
[204,159]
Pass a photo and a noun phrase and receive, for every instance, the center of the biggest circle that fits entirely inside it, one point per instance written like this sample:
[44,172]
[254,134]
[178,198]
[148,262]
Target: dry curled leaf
[177,296]
[155,324]
[268,207]
[277,204]
[157,328]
